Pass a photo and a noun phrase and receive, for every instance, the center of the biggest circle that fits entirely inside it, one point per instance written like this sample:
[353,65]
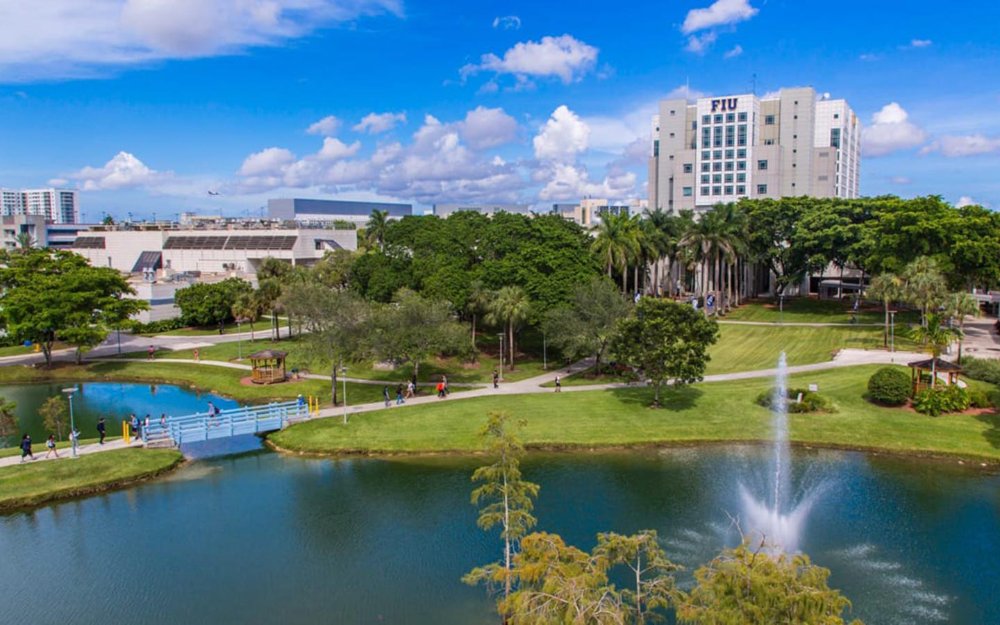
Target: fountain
[777,519]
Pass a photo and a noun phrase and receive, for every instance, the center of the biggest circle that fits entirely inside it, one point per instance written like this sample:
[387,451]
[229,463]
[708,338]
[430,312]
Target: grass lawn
[810,310]
[39,446]
[704,412]
[262,327]
[34,483]
[205,377]
[21,350]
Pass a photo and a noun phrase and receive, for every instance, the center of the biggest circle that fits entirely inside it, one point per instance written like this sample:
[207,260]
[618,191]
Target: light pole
[343,376]
[72,423]
[239,339]
[501,356]
[781,308]
[892,331]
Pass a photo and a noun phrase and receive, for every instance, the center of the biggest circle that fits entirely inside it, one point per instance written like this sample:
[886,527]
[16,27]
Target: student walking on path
[410,389]
[101,430]
[399,395]
[440,390]
[26,447]
[558,384]
[385,396]
[51,445]
[496,379]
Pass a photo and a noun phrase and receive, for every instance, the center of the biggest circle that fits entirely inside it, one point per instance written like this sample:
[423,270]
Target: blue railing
[205,426]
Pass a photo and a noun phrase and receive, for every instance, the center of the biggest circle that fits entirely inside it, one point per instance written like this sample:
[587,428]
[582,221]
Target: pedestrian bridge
[204,426]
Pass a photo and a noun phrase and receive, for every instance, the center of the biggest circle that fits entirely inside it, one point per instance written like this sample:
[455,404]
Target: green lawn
[36,482]
[810,310]
[21,350]
[262,328]
[622,417]
[39,446]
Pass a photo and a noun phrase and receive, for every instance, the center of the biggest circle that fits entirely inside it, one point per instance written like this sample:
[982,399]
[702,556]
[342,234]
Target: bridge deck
[205,426]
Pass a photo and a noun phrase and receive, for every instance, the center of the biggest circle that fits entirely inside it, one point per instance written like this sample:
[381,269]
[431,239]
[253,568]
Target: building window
[835,137]
[741,153]
[716,190]
[718,119]
[706,142]
[694,125]
[824,178]
[717,154]
[729,190]
[704,190]
[741,177]
[730,117]
[705,179]
[729,154]
[706,119]
[729,166]
[768,141]
[742,117]
[769,120]
[705,155]
[671,112]
[762,189]
[741,165]
[762,165]
[671,135]
[795,116]
[717,178]
[656,147]
[741,190]
[795,136]
[688,168]
[687,191]
[705,167]
[716,166]
[836,115]
[729,178]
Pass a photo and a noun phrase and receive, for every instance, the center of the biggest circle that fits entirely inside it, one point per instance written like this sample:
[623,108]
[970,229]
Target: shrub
[811,402]
[982,369]
[978,398]
[994,397]
[889,386]
[154,327]
[939,400]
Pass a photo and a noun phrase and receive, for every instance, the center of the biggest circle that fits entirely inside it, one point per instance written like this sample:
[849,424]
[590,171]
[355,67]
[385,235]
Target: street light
[343,375]
[72,423]
[501,356]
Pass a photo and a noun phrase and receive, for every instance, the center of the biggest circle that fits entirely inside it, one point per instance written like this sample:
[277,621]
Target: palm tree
[510,307]
[959,306]
[658,229]
[936,338]
[478,302]
[375,229]
[24,241]
[710,242]
[925,285]
[889,288]
[247,307]
[616,243]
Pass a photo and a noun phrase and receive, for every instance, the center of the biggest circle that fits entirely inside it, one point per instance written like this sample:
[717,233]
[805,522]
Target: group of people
[410,390]
[136,427]
[50,445]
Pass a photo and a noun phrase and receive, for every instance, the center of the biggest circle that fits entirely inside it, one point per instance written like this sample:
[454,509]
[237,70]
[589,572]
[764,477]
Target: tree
[8,421]
[208,304]
[50,295]
[772,240]
[248,308]
[743,586]
[887,287]
[272,276]
[958,306]
[617,243]
[936,337]
[585,327]
[53,412]
[477,304]
[506,498]
[924,285]
[665,341]
[646,563]
[24,241]
[509,307]
[375,229]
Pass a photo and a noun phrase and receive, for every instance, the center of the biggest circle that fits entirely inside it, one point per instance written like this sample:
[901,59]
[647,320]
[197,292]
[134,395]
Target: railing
[205,426]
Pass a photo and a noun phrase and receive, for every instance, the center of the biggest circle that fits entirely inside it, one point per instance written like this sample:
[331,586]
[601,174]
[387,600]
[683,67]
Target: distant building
[721,149]
[60,206]
[443,210]
[589,211]
[321,211]
[42,232]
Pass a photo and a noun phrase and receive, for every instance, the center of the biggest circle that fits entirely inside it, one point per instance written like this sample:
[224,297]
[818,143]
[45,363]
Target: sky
[146,106]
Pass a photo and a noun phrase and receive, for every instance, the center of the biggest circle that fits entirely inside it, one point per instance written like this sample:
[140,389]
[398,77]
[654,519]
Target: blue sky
[146,105]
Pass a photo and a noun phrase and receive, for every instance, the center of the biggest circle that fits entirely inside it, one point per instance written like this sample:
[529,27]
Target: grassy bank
[36,483]
[621,417]
[809,310]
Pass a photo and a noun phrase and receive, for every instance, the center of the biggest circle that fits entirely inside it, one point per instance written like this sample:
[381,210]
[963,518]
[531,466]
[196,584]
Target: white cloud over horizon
[327,127]
[123,171]
[963,145]
[377,123]
[720,13]
[563,57]
[890,131]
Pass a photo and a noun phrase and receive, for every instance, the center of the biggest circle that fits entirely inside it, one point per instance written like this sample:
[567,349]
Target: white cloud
[964,201]
[376,123]
[123,171]
[734,52]
[890,131]
[719,13]
[562,137]
[869,56]
[268,161]
[327,127]
[570,182]
[485,128]
[68,38]
[334,149]
[686,92]
[507,22]
[900,180]
[699,44]
[920,43]
[564,57]
[963,145]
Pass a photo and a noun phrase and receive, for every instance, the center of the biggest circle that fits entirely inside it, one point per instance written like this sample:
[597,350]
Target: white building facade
[722,149]
[60,206]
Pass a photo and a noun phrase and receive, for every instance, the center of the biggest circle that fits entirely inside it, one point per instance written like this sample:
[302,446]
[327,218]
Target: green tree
[208,304]
[753,587]
[585,327]
[247,309]
[958,306]
[647,564]
[8,421]
[617,243]
[665,341]
[272,276]
[510,307]
[375,229]
[53,412]
[887,287]
[924,285]
[935,337]
[24,241]
[477,304]
[506,500]
[772,240]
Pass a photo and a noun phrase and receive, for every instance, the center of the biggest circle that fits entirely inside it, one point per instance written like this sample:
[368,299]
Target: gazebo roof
[934,363]
[268,354]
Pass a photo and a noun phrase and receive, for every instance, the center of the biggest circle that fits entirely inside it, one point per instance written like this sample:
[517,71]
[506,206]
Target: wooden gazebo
[268,366]
[922,370]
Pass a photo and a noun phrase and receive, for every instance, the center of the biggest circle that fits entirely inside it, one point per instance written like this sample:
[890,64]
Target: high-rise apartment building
[59,206]
[721,149]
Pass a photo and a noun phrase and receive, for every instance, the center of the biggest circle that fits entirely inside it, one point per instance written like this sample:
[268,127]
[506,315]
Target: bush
[811,402]
[889,386]
[939,400]
[155,327]
[982,369]
[994,398]
[979,399]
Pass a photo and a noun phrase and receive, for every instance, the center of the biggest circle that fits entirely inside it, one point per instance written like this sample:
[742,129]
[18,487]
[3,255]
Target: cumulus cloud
[327,127]
[963,145]
[377,123]
[485,128]
[334,149]
[685,92]
[572,182]
[507,22]
[699,44]
[920,43]
[563,136]
[123,171]
[68,38]
[890,131]
[964,201]
[719,13]
[734,52]
[267,161]
[564,57]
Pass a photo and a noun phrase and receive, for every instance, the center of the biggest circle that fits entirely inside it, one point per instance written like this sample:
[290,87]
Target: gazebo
[922,370]
[268,366]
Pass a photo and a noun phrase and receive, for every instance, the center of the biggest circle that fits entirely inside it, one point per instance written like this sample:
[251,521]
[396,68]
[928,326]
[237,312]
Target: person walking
[385,395]
[133,425]
[149,352]
[399,395]
[101,430]
[51,445]
[496,379]
[410,388]
[74,437]
[440,390]
[26,447]
[444,380]
[558,384]
[163,420]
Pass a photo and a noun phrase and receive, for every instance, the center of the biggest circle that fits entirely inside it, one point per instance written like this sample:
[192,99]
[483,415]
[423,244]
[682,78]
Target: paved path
[38,448]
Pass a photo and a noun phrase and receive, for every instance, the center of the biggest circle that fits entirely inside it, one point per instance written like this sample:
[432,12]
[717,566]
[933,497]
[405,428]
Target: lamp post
[892,331]
[239,339]
[72,423]
[343,376]
[501,356]
[781,308]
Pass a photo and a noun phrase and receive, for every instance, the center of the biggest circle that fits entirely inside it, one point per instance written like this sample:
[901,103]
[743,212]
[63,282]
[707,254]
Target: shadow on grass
[992,435]
[671,399]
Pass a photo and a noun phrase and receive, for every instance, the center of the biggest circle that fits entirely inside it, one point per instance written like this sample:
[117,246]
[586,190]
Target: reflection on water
[263,538]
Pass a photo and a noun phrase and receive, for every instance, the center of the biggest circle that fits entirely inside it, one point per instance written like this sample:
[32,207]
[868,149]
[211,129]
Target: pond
[114,401]
[265,538]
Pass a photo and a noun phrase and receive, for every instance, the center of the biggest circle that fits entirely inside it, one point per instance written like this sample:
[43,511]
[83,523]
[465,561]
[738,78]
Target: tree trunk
[251,331]
[885,330]
[510,342]
[638,590]
[416,369]
[79,355]
[333,382]
[47,352]
[656,395]
[473,332]
[625,279]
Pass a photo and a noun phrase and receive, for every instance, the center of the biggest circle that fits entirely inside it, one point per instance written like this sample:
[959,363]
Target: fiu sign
[724,104]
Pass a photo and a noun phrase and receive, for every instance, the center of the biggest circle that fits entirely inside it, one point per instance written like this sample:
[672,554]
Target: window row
[720,190]
[728,118]
[719,178]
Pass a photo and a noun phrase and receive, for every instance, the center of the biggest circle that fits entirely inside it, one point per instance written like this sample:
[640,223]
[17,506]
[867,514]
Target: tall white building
[721,149]
[59,206]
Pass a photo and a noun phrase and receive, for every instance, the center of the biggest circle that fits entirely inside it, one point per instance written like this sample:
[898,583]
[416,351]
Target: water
[112,400]
[264,538]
